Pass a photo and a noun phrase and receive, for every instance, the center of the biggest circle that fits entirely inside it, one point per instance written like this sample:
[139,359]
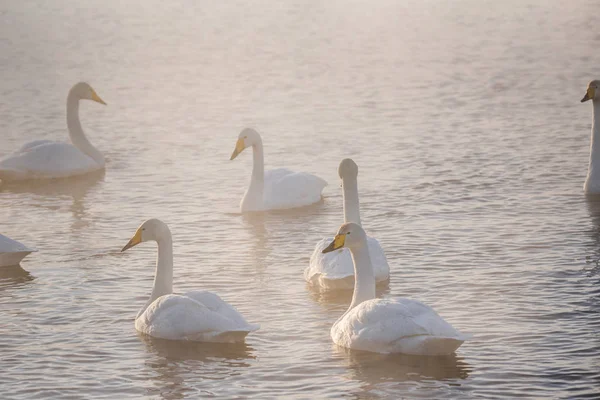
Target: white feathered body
[44,159]
[284,189]
[11,251]
[335,270]
[196,316]
[396,325]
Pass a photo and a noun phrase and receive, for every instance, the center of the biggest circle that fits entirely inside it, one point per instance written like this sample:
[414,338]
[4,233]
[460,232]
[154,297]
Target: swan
[394,325]
[335,270]
[196,316]
[592,182]
[278,188]
[44,159]
[12,252]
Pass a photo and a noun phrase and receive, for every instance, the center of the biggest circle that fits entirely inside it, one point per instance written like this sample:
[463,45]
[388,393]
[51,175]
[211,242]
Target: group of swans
[350,259]
[378,325]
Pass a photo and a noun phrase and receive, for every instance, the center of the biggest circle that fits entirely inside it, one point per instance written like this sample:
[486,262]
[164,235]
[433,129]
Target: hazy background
[465,122]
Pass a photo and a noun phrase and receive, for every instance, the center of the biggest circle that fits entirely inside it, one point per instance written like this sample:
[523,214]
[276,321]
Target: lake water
[463,117]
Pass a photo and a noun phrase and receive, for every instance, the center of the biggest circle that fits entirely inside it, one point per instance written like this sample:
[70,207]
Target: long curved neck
[594,167]
[76,134]
[364,284]
[351,203]
[163,278]
[257,181]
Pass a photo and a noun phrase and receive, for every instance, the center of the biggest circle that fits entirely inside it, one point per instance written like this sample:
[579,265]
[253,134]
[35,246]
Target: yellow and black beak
[97,98]
[590,94]
[338,243]
[239,147]
[135,240]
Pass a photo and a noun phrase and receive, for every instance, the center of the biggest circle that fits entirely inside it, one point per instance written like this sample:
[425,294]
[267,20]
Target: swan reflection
[14,276]
[373,368]
[177,365]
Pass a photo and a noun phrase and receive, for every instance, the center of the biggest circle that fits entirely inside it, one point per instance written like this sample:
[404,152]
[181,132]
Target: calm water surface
[464,119]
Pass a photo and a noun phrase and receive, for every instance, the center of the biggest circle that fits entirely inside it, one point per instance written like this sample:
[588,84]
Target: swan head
[348,169]
[349,235]
[151,230]
[83,91]
[248,137]
[593,91]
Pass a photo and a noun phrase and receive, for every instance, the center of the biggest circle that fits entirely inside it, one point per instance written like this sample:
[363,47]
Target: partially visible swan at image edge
[391,325]
[592,182]
[335,270]
[45,159]
[279,188]
[196,316]
[12,252]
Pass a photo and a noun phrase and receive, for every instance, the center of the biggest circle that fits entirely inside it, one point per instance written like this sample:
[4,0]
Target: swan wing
[178,317]
[396,325]
[45,159]
[287,189]
[12,252]
[214,303]
[28,146]
[8,245]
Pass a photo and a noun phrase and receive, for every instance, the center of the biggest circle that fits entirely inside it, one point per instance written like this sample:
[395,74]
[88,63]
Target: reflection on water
[47,190]
[259,251]
[373,368]
[466,177]
[14,276]
[76,186]
[342,297]
[180,361]
[233,353]
[593,205]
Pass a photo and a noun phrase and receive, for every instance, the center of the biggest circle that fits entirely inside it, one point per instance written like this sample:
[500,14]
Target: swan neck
[351,203]
[364,283]
[76,134]
[595,145]
[257,180]
[163,279]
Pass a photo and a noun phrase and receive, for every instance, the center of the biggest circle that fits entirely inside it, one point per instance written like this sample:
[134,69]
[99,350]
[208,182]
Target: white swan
[335,270]
[278,188]
[12,252]
[592,182]
[44,159]
[199,316]
[394,325]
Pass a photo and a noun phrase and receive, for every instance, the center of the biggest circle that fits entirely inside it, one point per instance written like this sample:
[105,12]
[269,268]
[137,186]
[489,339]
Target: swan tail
[441,345]
[428,345]
[237,335]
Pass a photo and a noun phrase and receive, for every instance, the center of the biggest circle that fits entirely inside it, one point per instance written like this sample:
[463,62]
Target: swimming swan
[199,316]
[12,252]
[393,325]
[44,159]
[592,182]
[278,188]
[335,270]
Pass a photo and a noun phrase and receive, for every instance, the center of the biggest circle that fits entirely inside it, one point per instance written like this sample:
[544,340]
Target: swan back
[396,325]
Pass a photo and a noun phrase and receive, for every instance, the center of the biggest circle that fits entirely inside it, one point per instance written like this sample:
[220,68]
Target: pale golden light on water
[472,146]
